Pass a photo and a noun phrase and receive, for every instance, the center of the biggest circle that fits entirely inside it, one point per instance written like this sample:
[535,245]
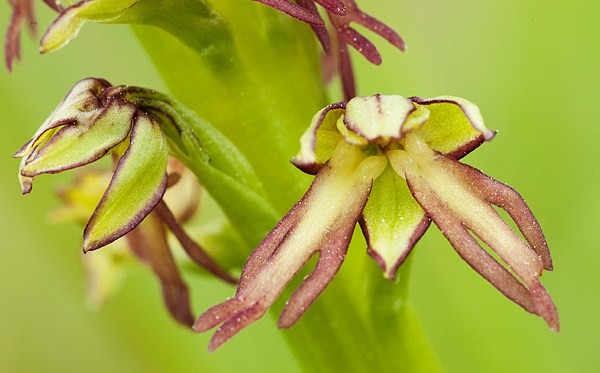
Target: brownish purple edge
[235,314]
[314,168]
[135,219]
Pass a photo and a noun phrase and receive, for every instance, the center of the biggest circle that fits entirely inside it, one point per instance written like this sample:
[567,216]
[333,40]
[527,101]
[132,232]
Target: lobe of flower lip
[341,14]
[323,220]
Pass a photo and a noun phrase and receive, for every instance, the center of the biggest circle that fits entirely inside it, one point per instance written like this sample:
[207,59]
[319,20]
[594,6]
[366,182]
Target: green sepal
[81,143]
[137,186]
[319,141]
[392,221]
[454,127]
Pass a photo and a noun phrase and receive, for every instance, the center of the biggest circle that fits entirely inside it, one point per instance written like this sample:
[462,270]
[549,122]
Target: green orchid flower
[87,126]
[391,164]
[96,119]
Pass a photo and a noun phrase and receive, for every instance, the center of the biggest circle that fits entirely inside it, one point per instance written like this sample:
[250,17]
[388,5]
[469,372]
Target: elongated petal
[330,210]
[512,202]
[320,30]
[149,241]
[137,186]
[468,248]
[332,254]
[22,12]
[380,29]
[334,6]
[392,221]
[360,43]
[194,251]
[455,126]
[445,189]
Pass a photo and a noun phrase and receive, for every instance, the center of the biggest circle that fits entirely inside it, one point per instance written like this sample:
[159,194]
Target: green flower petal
[79,144]
[320,139]
[137,186]
[392,221]
[455,126]
[80,105]
[66,27]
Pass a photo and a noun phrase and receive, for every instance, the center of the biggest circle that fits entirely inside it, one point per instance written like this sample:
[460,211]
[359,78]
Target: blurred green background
[533,69]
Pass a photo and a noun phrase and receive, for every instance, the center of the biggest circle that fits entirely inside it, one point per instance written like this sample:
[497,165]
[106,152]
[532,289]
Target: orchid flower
[391,164]
[96,119]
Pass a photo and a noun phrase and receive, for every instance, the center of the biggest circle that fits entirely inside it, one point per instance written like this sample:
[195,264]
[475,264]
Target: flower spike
[391,164]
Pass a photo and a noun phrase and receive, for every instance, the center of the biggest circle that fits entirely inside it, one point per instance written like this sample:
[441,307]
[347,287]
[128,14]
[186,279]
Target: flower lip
[378,117]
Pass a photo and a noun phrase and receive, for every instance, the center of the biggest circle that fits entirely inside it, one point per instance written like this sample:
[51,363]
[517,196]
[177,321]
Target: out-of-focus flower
[96,119]
[147,242]
[22,12]
[341,14]
[390,163]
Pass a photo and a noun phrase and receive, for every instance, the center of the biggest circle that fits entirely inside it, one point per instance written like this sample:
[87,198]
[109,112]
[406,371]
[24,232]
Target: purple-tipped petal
[217,314]
[235,324]
[512,202]
[380,29]
[469,249]
[318,140]
[360,43]
[194,251]
[323,220]
[470,110]
[332,255]
[546,307]
[448,191]
[76,145]
[149,241]
[334,6]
